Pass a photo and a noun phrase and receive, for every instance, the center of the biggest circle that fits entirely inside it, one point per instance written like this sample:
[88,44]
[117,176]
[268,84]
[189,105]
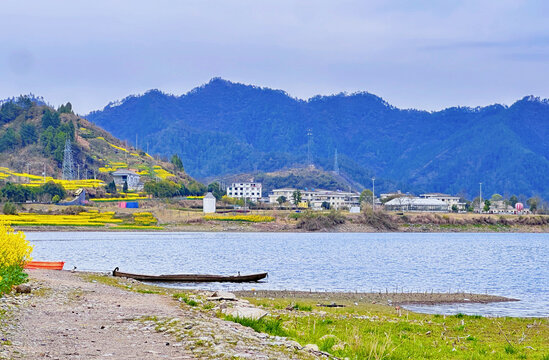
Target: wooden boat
[192,277]
[50,265]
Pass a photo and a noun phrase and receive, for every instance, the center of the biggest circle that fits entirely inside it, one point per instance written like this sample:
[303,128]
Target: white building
[133,180]
[447,199]
[315,198]
[416,204]
[208,203]
[248,190]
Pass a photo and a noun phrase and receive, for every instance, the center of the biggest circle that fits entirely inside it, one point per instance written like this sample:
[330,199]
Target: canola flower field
[87,218]
[91,218]
[245,218]
[15,251]
[37,180]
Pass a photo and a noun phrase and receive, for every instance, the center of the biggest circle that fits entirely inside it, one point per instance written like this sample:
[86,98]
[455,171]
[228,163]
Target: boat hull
[193,278]
[49,265]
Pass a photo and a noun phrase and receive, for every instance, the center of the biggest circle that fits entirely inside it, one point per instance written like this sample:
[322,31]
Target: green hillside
[32,142]
[225,128]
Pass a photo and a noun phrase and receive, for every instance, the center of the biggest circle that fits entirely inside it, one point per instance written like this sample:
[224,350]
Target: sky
[415,54]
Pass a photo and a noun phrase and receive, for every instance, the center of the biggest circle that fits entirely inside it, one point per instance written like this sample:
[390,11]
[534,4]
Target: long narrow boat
[49,265]
[192,277]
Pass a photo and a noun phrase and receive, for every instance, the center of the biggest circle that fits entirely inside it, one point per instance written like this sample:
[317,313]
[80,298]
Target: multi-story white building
[248,190]
[315,198]
[447,199]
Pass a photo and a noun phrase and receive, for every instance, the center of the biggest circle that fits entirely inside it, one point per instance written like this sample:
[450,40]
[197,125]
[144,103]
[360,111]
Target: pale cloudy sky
[422,54]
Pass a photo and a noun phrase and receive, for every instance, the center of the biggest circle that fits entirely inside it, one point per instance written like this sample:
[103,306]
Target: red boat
[50,265]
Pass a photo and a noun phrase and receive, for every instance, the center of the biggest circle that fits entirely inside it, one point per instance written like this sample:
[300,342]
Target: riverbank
[170,218]
[84,315]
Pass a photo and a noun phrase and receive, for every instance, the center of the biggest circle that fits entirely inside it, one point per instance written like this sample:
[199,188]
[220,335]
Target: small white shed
[208,203]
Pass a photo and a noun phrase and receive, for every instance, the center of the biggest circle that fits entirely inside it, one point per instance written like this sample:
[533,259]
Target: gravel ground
[67,317]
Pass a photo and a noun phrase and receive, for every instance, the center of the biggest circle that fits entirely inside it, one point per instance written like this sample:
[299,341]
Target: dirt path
[67,317]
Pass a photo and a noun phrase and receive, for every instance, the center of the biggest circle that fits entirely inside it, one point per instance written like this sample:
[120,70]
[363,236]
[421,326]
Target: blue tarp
[132,204]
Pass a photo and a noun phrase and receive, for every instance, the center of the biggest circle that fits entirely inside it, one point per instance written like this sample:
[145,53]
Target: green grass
[266,324]
[185,298]
[371,331]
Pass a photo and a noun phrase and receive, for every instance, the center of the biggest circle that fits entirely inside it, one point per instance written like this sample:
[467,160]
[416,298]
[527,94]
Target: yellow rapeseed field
[89,218]
[247,218]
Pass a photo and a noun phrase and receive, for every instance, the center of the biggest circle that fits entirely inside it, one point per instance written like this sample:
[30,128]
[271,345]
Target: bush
[9,209]
[15,251]
[311,221]
[378,219]
[55,199]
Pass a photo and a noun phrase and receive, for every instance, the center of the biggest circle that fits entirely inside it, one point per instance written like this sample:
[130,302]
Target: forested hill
[32,143]
[227,128]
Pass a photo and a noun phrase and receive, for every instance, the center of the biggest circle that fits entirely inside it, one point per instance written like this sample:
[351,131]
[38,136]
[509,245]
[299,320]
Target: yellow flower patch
[15,250]
[246,218]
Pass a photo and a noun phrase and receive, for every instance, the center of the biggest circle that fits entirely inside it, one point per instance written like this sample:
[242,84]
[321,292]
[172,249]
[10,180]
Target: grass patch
[372,331]
[185,298]
[266,324]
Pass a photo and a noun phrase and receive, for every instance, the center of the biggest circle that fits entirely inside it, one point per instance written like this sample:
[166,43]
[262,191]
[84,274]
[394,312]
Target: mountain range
[223,128]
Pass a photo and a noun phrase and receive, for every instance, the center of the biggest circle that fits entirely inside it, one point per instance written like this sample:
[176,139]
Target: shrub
[15,251]
[311,221]
[378,219]
[9,209]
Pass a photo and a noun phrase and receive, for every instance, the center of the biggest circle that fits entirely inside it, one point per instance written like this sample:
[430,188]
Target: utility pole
[28,179]
[44,173]
[373,193]
[78,178]
[480,199]
[309,139]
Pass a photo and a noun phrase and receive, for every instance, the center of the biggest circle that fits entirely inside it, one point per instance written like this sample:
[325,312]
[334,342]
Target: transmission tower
[336,165]
[309,142]
[68,172]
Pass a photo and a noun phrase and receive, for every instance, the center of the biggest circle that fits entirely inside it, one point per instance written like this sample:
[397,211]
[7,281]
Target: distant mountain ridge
[225,128]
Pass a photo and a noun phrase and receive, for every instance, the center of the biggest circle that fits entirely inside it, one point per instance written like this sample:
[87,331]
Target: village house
[248,190]
[416,204]
[315,198]
[447,199]
[133,180]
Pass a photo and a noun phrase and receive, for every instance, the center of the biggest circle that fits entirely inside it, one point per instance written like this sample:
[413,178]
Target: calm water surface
[512,265]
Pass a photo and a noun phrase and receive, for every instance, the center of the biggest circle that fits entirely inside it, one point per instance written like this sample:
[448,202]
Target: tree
[281,200]
[65,109]
[55,199]
[125,187]
[176,161]
[296,196]
[216,190]
[50,188]
[111,187]
[513,200]
[496,197]
[325,205]
[533,203]
[486,205]
[9,209]
[163,188]
[50,118]
[16,193]
[454,208]
[28,134]
[9,140]
[366,196]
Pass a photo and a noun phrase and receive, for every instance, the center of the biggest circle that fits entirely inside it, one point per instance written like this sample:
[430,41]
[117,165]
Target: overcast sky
[421,54]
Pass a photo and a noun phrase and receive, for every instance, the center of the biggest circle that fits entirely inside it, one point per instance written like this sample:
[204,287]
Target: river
[511,265]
